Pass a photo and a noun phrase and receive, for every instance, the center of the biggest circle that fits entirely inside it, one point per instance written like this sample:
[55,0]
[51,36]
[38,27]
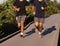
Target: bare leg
[19,25]
[36,24]
[41,26]
[22,26]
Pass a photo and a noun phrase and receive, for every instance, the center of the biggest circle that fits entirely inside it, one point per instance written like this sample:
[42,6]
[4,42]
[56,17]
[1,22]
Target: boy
[20,7]
[38,9]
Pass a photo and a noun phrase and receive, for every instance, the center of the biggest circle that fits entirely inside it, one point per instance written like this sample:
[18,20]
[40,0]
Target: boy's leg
[18,21]
[41,21]
[22,28]
[40,29]
[19,25]
[36,23]
[41,26]
[22,24]
[37,26]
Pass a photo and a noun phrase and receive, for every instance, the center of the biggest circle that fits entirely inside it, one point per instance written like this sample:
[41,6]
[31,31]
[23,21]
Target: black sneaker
[21,35]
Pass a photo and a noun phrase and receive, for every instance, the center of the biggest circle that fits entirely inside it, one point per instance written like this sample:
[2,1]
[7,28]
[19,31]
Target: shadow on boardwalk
[30,32]
[49,30]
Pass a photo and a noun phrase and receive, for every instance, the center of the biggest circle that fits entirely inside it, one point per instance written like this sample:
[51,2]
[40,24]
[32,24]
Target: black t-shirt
[21,5]
[38,5]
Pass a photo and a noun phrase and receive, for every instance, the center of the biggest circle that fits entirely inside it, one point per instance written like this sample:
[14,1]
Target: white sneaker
[21,34]
[39,33]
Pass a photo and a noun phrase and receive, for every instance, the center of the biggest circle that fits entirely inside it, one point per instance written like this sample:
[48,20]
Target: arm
[44,6]
[33,10]
[15,6]
[27,5]
[17,9]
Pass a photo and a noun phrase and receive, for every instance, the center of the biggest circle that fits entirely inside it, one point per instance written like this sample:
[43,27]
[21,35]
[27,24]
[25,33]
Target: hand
[42,8]
[17,9]
[40,0]
[34,13]
[26,9]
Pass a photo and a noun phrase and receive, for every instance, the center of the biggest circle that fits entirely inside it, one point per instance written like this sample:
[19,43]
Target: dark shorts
[20,18]
[36,19]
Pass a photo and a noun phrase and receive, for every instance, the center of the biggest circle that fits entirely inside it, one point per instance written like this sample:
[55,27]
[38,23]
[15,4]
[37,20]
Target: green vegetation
[52,8]
[7,14]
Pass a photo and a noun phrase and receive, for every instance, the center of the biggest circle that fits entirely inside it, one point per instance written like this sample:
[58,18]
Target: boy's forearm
[14,7]
[33,9]
[17,9]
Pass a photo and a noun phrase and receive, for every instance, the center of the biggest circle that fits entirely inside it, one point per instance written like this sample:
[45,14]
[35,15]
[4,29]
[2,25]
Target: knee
[36,24]
[18,24]
[22,23]
[41,24]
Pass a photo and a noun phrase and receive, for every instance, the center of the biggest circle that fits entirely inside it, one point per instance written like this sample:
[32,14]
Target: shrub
[52,8]
[7,14]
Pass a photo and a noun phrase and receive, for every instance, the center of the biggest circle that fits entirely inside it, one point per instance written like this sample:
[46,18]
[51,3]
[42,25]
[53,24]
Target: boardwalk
[31,38]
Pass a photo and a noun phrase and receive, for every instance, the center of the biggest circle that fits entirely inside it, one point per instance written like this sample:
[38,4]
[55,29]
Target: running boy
[38,9]
[20,7]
